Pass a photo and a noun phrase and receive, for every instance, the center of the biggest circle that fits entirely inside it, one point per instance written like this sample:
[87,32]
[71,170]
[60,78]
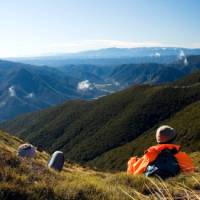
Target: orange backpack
[139,166]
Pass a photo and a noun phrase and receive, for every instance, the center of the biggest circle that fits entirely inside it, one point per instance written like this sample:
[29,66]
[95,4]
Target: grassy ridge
[31,180]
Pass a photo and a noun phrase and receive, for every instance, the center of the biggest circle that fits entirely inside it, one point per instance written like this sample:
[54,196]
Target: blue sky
[34,27]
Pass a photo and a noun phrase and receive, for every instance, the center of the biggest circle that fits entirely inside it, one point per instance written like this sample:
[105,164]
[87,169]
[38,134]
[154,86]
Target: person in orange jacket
[165,137]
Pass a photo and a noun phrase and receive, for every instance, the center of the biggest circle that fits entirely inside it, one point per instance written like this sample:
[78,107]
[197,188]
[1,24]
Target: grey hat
[165,134]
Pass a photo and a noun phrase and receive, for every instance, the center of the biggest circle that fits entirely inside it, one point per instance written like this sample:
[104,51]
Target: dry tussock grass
[31,179]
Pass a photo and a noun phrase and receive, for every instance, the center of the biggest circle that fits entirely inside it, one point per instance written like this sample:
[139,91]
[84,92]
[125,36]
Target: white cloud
[181,55]
[157,54]
[11,91]
[185,62]
[84,85]
[30,95]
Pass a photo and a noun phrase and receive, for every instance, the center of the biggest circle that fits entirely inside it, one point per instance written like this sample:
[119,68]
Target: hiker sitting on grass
[163,160]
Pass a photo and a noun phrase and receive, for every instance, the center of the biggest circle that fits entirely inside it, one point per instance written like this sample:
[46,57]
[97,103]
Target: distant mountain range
[134,52]
[113,56]
[26,88]
[107,131]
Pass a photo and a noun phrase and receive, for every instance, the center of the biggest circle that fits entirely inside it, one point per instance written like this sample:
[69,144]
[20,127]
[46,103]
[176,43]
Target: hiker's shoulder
[160,147]
[185,162]
[182,154]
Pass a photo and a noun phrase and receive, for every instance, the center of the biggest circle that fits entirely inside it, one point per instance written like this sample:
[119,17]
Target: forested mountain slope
[85,130]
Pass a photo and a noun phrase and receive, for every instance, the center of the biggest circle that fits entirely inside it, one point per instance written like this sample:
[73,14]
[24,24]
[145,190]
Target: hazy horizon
[88,50]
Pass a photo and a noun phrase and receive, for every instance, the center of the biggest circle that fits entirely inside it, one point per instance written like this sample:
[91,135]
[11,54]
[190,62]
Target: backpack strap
[174,151]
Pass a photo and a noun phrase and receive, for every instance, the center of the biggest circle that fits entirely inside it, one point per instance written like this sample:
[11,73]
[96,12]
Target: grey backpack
[57,161]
